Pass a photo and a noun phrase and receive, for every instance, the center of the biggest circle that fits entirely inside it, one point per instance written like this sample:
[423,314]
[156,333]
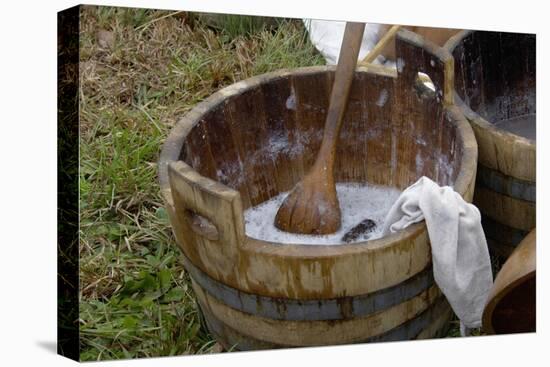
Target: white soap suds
[231,173]
[400,64]
[277,146]
[419,163]
[445,166]
[382,98]
[357,203]
[393,155]
[426,81]
[420,140]
[291,100]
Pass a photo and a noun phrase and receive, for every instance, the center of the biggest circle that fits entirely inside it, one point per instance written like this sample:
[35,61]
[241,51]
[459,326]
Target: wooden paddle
[312,206]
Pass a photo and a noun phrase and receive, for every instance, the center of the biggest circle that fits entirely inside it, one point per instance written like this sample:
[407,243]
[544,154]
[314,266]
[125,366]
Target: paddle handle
[347,61]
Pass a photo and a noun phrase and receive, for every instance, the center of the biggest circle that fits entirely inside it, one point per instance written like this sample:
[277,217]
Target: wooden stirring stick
[312,206]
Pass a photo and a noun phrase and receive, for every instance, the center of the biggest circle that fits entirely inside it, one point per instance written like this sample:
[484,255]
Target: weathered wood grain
[432,323]
[507,210]
[311,333]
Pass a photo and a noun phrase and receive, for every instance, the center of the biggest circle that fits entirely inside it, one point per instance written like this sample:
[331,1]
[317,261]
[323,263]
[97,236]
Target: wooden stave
[508,211]
[289,309]
[419,326]
[506,185]
[430,316]
[503,231]
[431,322]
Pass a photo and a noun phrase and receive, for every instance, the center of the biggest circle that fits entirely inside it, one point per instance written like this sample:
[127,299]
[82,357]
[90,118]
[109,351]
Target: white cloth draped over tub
[461,264]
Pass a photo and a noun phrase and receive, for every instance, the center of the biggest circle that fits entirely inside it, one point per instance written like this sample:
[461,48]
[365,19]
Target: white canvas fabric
[327,38]
[461,264]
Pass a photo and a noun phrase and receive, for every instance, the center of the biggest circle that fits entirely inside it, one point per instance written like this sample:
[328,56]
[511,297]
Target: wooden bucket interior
[495,74]
[262,140]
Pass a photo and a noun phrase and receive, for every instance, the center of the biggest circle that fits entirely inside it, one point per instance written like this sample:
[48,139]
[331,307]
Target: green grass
[140,71]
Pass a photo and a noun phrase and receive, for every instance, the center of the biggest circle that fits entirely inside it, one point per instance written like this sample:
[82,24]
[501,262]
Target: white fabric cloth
[327,38]
[461,264]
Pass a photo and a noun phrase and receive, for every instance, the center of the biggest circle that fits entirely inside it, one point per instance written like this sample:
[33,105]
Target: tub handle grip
[201,225]
[416,54]
[206,210]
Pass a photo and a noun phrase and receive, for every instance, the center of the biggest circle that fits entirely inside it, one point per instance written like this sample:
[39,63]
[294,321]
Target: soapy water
[357,203]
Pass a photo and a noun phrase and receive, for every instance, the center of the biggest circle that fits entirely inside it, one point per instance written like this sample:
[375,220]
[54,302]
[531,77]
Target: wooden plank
[420,142]
[433,324]
[506,185]
[379,101]
[312,97]
[315,309]
[440,324]
[504,152]
[280,112]
[512,212]
[211,215]
[247,124]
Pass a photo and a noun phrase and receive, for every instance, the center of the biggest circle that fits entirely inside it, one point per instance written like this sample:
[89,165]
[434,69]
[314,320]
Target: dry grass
[140,70]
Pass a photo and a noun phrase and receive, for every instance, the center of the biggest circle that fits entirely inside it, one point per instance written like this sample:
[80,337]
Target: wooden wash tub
[495,80]
[255,139]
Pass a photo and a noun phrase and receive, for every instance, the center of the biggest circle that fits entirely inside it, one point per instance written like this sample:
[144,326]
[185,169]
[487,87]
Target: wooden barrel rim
[450,46]
[312,309]
[501,136]
[482,122]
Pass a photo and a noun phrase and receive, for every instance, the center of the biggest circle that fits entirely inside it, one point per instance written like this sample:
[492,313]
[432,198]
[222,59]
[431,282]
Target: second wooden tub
[255,139]
[495,81]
